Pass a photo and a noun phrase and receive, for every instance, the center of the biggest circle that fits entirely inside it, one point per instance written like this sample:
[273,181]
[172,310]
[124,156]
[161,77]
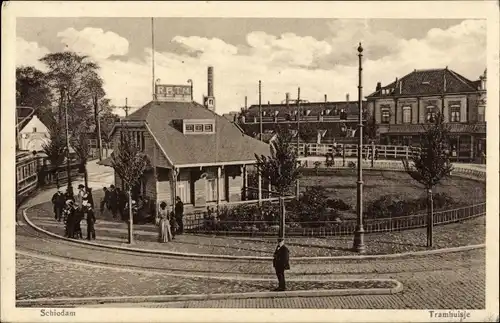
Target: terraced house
[403,106]
[195,153]
[318,122]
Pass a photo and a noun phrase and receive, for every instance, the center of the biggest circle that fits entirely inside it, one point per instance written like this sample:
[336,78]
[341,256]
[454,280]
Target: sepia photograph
[196,161]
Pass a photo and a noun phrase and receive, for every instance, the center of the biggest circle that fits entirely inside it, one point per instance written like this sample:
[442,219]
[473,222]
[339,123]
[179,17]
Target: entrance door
[211,190]
[184,187]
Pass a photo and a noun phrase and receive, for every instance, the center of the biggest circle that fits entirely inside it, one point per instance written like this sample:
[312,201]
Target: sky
[317,55]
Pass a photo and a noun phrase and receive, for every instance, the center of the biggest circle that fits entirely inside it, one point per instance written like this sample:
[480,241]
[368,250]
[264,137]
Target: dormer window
[34,129]
[198,126]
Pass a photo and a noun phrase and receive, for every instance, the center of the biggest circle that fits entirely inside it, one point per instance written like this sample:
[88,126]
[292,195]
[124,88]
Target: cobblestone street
[47,268]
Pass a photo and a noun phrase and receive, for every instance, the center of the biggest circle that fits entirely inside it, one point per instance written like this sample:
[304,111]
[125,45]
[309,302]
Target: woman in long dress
[165,234]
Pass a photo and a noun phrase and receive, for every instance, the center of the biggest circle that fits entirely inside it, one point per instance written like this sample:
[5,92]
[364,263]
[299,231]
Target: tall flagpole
[153,57]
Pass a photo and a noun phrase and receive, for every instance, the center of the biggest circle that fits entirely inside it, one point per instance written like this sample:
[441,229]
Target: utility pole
[359,245]
[260,110]
[298,120]
[68,165]
[126,107]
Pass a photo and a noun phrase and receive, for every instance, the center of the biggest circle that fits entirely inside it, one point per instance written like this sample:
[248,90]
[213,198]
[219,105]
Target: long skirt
[165,233]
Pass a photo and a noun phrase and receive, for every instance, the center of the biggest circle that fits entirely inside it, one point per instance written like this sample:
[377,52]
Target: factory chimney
[287,99]
[210,98]
[326,98]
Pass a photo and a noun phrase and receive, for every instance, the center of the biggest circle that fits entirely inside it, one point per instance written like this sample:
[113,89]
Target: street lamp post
[359,245]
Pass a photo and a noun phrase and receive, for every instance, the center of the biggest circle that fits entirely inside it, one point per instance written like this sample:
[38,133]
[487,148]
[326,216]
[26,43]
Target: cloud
[288,49]
[29,53]
[205,45]
[285,62]
[94,42]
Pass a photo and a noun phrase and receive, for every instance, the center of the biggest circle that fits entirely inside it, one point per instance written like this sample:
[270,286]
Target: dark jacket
[59,201]
[281,259]
[90,216]
[179,209]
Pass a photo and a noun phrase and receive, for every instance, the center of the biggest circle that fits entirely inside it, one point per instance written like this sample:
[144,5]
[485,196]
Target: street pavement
[454,280]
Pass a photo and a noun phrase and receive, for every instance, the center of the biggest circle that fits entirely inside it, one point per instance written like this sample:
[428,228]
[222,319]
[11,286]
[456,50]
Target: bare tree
[129,163]
[431,164]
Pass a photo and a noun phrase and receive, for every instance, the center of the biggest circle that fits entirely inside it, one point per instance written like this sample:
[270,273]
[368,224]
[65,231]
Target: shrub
[338,204]
[396,206]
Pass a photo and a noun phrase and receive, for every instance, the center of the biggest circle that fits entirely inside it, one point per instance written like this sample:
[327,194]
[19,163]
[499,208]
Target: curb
[206,297]
[255,258]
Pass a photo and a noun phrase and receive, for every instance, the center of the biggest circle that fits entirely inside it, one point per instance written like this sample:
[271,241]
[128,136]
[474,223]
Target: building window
[34,129]
[406,114]
[480,114]
[308,112]
[431,114]
[209,128]
[328,112]
[386,115]
[190,128]
[455,113]
[198,128]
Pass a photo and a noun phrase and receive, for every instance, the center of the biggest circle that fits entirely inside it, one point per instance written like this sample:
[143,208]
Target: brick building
[329,121]
[403,106]
[195,153]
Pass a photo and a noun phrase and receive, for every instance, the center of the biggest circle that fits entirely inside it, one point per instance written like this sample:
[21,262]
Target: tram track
[31,242]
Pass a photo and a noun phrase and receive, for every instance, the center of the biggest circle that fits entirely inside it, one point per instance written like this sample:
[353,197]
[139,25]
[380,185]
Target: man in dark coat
[281,263]
[113,200]
[90,222]
[179,214]
[70,219]
[59,202]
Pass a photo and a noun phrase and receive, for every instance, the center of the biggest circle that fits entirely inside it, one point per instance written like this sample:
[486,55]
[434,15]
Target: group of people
[170,223]
[72,209]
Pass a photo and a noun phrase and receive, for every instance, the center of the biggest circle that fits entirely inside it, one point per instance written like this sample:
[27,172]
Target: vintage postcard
[250,161]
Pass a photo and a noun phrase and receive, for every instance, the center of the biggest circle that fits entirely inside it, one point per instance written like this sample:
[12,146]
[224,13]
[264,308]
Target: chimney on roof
[400,86]
[246,102]
[210,99]
[379,86]
[287,99]
[326,98]
[347,97]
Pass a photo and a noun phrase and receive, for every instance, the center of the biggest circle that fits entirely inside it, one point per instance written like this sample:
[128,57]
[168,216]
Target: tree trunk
[282,218]
[430,218]
[85,175]
[57,178]
[130,219]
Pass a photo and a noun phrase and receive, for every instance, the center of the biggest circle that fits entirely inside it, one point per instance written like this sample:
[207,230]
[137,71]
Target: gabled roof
[316,108]
[429,82]
[23,117]
[227,144]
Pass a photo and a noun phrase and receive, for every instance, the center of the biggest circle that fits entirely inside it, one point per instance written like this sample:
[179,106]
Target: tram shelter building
[195,154]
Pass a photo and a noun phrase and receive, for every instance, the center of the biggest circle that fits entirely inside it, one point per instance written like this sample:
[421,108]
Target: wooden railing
[351,150]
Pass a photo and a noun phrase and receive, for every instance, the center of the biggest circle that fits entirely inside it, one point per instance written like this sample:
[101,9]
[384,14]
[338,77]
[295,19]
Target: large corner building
[403,106]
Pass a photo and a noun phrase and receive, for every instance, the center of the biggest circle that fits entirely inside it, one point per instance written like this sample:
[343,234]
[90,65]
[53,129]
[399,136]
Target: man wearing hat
[281,263]
[90,220]
[59,201]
